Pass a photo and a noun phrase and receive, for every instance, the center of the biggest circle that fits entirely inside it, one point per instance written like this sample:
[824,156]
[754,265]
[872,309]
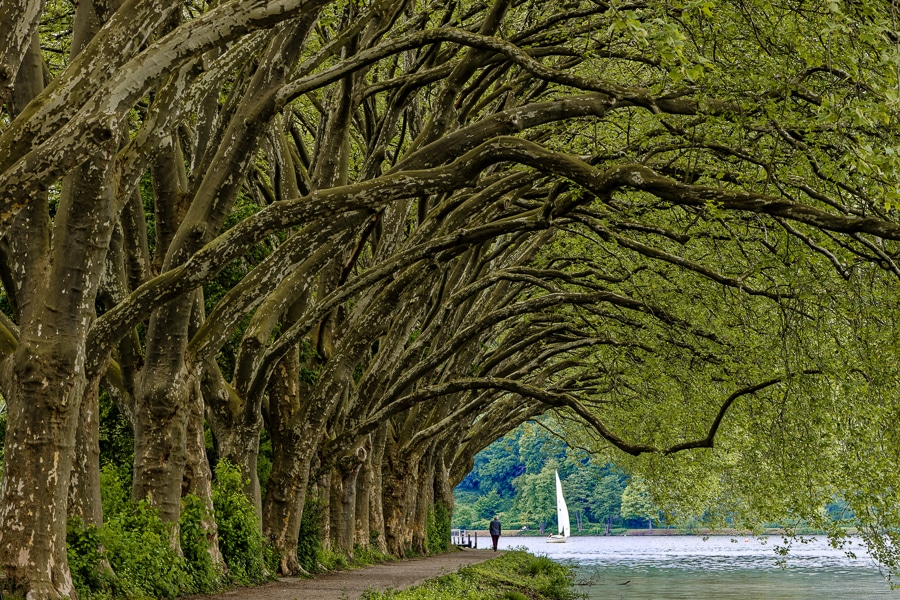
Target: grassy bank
[515,575]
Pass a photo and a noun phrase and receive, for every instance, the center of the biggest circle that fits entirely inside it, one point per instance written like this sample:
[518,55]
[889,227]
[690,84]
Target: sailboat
[562,516]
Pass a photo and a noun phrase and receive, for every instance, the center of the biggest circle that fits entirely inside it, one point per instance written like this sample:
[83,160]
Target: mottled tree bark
[236,432]
[344,489]
[48,382]
[162,411]
[323,483]
[376,498]
[424,503]
[197,474]
[361,525]
[401,484]
[84,488]
[41,421]
[292,452]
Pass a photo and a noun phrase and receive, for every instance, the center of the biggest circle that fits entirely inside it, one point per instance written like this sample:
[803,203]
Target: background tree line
[342,246]
[514,478]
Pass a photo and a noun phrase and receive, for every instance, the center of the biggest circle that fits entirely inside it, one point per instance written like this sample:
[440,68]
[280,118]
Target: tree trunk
[364,487]
[39,449]
[46,379]
[401,483]
[375,479]
[197,475]
[236,428]
[324,485]
[161,415]
[241,448]
[424,504]
[343,504]
[292,453]
[286,493]
[84,488]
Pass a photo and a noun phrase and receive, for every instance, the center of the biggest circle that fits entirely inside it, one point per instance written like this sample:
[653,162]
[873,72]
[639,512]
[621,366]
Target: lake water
[720,567]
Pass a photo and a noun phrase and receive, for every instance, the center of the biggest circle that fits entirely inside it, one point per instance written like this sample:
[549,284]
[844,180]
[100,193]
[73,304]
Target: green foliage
[115,491]
[488,505]
[536,500]
[606,499]
[116,439]
[309,542]
[196,533]
[437,529]
[133,556]
[329,560]
[83,547]
[636,502]
[368,555]
[448,587]
[513,576]
[526,459]
[240,537]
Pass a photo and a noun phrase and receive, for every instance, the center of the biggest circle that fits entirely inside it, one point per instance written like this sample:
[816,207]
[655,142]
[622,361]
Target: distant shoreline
[654,532]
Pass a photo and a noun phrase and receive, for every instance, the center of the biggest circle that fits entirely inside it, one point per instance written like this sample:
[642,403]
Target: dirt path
[349,585]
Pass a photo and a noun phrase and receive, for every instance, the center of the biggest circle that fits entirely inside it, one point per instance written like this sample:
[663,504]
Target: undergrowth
[133,554]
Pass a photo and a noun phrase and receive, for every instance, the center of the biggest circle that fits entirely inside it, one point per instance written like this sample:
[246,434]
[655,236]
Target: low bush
[364,556]
[437,530]
[309,542]
[134,555]
[242,544]
[332,561]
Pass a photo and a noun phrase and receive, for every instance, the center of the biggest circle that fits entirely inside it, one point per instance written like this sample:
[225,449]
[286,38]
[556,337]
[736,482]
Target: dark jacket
[495,527]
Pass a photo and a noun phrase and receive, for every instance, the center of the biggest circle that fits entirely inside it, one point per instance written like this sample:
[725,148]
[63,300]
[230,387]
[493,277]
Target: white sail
[562,515]
[562,511]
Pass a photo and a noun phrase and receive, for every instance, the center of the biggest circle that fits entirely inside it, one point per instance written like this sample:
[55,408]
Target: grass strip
[515,575]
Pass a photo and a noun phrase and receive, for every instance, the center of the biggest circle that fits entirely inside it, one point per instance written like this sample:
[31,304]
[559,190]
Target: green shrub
[115,490]
[331,560]
[309,542]
[194,530]
[83,547]
[363,556]
[447,587]
[240,539]
[437,529]
[132,556]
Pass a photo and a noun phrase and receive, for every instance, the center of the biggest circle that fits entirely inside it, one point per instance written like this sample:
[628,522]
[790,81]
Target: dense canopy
[376,235]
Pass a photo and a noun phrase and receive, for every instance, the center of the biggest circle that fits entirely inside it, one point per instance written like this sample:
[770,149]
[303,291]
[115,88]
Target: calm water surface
[674,567]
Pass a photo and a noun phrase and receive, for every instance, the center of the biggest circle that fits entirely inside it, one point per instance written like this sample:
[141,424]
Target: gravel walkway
[350,585]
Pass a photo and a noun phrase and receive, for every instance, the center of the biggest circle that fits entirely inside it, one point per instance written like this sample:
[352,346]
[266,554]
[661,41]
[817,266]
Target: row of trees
[379,234]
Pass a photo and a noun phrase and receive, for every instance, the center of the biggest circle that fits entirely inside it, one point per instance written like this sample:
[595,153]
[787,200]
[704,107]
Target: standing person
[495,531]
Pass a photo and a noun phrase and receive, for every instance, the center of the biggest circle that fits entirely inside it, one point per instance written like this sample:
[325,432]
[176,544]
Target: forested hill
[513,477]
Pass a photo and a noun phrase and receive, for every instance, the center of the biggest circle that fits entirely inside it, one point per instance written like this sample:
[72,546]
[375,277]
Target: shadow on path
[349,585]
